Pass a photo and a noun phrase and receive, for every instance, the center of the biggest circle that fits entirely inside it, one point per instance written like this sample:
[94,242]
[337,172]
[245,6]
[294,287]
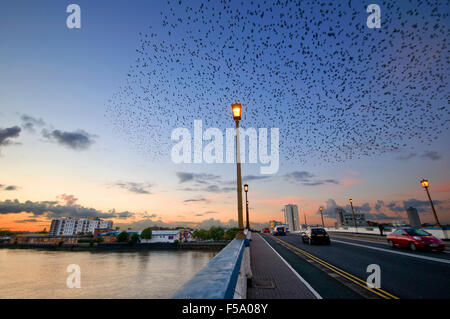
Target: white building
[163,236]
[291,217]
[73,226]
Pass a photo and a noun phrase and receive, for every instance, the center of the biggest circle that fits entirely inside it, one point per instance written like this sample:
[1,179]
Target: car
[415,239]
[266,230]
[279,231]
[314,235]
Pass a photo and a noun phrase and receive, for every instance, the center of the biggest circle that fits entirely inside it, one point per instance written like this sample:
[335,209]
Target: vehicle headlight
[417,238]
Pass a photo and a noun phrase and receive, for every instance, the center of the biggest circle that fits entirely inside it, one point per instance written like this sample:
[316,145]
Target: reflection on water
[149,274]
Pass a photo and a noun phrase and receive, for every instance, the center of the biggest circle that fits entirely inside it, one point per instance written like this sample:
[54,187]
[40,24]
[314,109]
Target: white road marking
[445,261]
[315,293]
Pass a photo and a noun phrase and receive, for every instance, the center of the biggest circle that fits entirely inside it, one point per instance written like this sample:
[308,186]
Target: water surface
[30,273]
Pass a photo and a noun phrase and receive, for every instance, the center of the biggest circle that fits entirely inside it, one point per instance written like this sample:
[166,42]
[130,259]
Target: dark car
[266,230]
[415,239]
[315,235]
[279,231]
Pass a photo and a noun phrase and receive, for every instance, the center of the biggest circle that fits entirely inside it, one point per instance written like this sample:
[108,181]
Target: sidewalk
[272,278]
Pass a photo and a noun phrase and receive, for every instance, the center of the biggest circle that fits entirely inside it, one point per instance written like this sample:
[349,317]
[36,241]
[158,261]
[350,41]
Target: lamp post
[321,215]
[425,184]
[353,212]
[246,205]
[237,111]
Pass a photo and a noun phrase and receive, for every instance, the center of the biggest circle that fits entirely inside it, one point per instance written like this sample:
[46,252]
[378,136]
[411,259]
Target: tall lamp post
[246,205]
[321,215]
[353,212]
[237,112]
[425,184]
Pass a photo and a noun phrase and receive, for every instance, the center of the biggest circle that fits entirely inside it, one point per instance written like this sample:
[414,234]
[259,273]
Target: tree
[201,234]
[216,233]
[230,234]
[134,238]
[122,237]
[146,233]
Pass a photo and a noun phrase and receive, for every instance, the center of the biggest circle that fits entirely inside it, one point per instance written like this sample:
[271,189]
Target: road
[404,273]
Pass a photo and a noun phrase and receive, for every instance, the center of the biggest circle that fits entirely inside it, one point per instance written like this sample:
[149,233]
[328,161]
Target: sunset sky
[61,153]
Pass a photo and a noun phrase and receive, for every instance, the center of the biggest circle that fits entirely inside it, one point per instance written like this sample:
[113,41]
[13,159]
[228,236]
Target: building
[42,239]
[344,218]
[413,217]
[158,236]
[73,226]
[291,217]
[163,236]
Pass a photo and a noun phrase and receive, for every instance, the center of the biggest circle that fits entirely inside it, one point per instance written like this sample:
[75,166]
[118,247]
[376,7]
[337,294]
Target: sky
[86,114]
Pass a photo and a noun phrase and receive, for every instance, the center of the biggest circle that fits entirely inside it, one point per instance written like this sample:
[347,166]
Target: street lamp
[237,112]
[246,205]
[321,215]
[425,184]
[353,212]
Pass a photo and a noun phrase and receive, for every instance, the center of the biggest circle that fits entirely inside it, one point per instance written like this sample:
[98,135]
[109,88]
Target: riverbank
[214,246]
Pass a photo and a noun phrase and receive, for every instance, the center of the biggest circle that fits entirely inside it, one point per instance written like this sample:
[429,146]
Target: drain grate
[263,284]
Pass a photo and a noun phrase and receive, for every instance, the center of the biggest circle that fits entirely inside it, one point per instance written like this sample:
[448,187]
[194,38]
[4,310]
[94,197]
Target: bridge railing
[219,278]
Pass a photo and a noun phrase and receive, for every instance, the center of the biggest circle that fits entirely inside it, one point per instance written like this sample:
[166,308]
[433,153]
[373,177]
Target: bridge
[263,266]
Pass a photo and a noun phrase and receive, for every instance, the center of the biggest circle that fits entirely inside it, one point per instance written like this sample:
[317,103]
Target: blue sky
[69,78]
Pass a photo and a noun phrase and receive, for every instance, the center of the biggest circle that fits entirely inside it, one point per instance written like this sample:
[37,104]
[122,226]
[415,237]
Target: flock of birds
[335,88]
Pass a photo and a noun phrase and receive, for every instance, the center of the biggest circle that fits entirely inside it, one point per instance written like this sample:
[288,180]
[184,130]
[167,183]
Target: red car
[266,230]
[415,239]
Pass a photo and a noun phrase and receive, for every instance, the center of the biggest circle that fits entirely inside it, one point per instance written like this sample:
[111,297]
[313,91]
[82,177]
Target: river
[30,273]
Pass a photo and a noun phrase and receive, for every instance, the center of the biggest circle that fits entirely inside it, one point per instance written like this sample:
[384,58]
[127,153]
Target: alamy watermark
[190,149]
[374,278]
[74,279]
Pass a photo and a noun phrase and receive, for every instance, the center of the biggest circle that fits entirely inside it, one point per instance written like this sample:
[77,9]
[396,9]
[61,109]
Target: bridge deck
[272,278]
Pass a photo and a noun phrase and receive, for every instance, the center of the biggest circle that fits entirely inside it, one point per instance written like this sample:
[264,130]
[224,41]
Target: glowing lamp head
[246,187]
[351,200]
[321,209]
[424,183]
[237,110]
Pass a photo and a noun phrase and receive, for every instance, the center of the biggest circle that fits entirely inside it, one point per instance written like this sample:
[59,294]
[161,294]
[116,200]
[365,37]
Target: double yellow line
[358,281]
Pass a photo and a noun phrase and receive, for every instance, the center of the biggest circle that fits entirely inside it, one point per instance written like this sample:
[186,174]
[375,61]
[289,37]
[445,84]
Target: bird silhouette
[336,88]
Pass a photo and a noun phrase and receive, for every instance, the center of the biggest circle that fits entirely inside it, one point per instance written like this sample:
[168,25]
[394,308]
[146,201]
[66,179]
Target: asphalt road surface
[404,273]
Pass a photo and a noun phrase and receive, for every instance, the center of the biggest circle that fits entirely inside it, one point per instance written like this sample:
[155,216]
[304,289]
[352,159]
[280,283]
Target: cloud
[29,122]
[203,183]
[297,176]
[249,178]
[305,178]
[9,188]
[77,140]
[406,157]
[8,133]
[138,188]
[52,209]
[195,200]
[199,178]
[29,220]
[432,155]
[206,213]
[69,200]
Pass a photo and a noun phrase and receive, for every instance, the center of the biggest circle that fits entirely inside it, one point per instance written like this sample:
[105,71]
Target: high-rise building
[344,218]
[291,217]
[73,226]
[413,217]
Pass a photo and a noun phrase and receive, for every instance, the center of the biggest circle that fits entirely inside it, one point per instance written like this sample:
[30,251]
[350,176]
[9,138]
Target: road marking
[342,273]
[315,293]
[445,261]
